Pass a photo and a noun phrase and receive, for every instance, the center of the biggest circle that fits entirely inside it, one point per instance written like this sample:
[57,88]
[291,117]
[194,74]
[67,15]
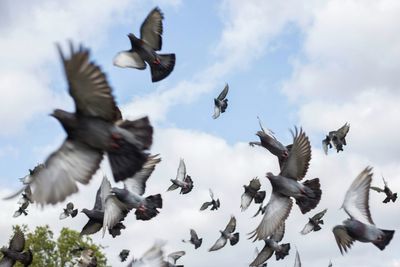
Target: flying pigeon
[251,192]
[221,102]
[151,258]
[313,223]
[144,49]
[123,255]
[15,253]
[360,226]
[69,211]
[21,210]
[286,185]
[87,258]
[194,239]
[26,180]
[215,204]
[297,262]
[227,234]
[182,180]
[390,196]
[336,138]
[94,129]
[173,257]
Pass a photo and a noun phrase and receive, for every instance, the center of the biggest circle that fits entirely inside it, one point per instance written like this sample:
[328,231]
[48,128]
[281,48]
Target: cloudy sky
[315,64]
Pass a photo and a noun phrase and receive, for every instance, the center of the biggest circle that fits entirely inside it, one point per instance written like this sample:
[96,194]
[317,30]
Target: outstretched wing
[181,174]
[319,215]
[152,29]
[220,243]
[343,239]
[230,228]
[342,131]
[224,92]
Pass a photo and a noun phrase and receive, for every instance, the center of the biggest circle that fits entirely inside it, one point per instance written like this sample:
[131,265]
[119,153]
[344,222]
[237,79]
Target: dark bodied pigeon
[286,185]
[173,257]
[15,253]
[227,234]
[87,258]
[69,211]
[123,255]
[215,204]
[151,258]
[221,102]
[336,138]
[182,180]
[313,223]
[360,227]
[21,210]
[390,196]
[93,130]
[252,191]
[144,49]
[297,262]
[194,239]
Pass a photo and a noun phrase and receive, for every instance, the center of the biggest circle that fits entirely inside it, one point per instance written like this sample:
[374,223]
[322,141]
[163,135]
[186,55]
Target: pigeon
[87,258]
[390,196]
[194,239]
[336,138]
[96,215]
[215,204]
[151,258]
[297,262]
[15,253]
[360,226]
[251,192]
[182,180]
[173,257]
[22,210]
[271,246]
[221,102]
[69,211]
[26,196]
[26,180]
[286,185]
[93,130]
[256,252]
[123,255]
[144,49]
[313,223]
[227,234]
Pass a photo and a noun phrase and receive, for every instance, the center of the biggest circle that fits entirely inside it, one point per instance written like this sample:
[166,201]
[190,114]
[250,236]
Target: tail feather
[388,235]
[283,252]
[196,246]
[312,196]
[162,69]
[260,196]
[233,240]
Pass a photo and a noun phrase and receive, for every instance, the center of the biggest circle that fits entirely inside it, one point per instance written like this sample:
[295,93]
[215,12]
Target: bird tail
[388,235]
[162,68]
[196,246]
[74,213]
[233,240]
[317,228]
[282,252]
[260,196]
[152,203]
[116,230]
[188,180]
[311,197]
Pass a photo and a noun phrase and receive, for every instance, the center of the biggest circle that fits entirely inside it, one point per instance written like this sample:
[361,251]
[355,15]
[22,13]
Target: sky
[314,64]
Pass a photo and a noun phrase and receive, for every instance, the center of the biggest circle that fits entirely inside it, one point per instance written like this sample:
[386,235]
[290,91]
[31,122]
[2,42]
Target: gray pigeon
[286,185]
[69,211]
[297,262]
[194,239]
[144,49]
[227,234]
[87,258]
[173,257]
[221,102]
[15,253]
[21,210]
[215,204]
[390,196]
[252,191]
[151,258]
[313,223]
[360,226]
[336,138]
[182,180]
[93,130]
[123,255]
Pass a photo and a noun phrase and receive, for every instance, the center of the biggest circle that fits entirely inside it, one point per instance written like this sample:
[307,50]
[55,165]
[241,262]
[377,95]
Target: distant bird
[182,180]
[21,210]
[313,223]
[227,234]
[25,189]
[336,138]
[87,258]
[194,239]
[286,185]
[221,102]
[69,211]
[271,246]
[151,258]
[215,204]
[251,192]
[390,196]
[297,262]
[173,257]
[93,130]
[15,253]
[26,196]
[360,226]
[124,254]
[144,49]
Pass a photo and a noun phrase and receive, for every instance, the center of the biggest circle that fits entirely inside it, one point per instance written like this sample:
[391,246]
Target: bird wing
[102,193]
[181,174]
[267,131]
[255,184]
[193,234]
[377,189]
[114,212]
[211,193]
[220,243]
[217,112]
[325,146]
[384,181]
[356,200]
[174,256]
[245,201]
[297,262]
[63,215]
[224,92]
[88,85]
[307,228]
[343,239]
[90,227]
[72,162]
[279,233]
[152,257]
[17,242]
[263,256]
[7,262]
[152,29]
[342,131]
[205,205]
[231,226]
[319,215]
[128,59]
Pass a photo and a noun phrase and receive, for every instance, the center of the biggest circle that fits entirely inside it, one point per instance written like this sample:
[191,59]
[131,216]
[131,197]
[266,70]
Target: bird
[123,255]
[94,129]
[360,227]
[143,49]
[15,251]
[336,138]
[173,257]
[22,210]
[227,234]
[215,204]
[151,258]
[194,239]
[87,258]
[271,246]
[25,189]
[297,262]
[26,196]
[390,196]
[251,192]
[182,180]
[314,223]
[221,102]
[69,211]
[286,185]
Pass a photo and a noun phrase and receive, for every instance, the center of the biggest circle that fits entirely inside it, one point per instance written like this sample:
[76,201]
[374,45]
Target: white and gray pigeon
[360,227]
[154,257]
[314,223]
[336,139]
[15,251]
[173,257]
[69,211]
[221,102]
[215,204]
[182,180]
[390,196]
[252,191]
[226,235]
[143,49]
[297,262]
[194,239]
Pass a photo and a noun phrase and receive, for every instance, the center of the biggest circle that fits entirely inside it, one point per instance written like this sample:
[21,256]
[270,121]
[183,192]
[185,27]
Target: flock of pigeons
[97,128]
